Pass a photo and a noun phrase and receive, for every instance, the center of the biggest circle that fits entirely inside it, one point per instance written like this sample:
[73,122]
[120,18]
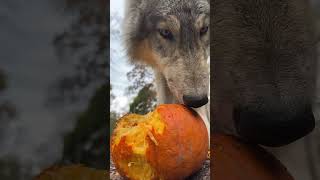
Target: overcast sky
[117,6]
[119,66]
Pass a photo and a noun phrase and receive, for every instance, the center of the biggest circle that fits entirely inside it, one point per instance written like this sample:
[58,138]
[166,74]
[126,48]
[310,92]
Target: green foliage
[144,102]
[113,119]
[88,141]
[113,115]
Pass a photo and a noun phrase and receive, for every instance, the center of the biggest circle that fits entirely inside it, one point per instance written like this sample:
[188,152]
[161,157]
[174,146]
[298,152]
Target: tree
[87,143]
[7,108]
[84,44]
[113,115]
[145,101]
[140,76]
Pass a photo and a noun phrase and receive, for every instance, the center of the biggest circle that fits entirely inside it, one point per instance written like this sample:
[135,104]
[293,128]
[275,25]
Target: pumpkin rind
[183,144]
[176,144]
[236,160]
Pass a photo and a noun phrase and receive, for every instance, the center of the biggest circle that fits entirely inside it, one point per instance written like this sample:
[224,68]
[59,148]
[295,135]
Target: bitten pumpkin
[170,143]
[236,160]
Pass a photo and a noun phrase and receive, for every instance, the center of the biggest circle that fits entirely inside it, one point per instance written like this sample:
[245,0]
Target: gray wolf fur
[172,37]
[264,67]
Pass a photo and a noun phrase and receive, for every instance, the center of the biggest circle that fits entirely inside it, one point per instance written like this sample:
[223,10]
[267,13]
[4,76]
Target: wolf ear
[130,4]
[138,50]
[131,23]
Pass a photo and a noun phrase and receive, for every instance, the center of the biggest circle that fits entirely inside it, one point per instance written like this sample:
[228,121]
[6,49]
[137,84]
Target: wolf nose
[274,129]
[195,101]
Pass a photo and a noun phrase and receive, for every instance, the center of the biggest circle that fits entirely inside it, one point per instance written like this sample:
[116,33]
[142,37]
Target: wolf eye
[204,30]
[165,34]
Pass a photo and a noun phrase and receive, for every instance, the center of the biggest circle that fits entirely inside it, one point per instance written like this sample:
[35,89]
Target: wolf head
[172,36]
[264,68]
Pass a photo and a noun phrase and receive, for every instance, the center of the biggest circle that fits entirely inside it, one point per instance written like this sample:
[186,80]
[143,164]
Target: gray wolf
[264,67]
[172,37]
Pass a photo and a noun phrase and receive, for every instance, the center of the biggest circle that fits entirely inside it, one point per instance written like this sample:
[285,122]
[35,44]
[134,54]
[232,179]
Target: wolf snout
[271,128]
[195,101]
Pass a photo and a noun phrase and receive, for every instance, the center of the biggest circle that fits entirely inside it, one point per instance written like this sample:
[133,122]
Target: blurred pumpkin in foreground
[236,160]
[72,172]
[170,143]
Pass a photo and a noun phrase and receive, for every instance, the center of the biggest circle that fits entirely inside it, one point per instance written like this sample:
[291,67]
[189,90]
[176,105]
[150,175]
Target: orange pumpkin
[236,160]
[71,172]
[170,143]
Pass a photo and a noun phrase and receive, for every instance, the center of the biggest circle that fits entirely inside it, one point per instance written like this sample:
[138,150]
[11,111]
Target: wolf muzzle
[273,129]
